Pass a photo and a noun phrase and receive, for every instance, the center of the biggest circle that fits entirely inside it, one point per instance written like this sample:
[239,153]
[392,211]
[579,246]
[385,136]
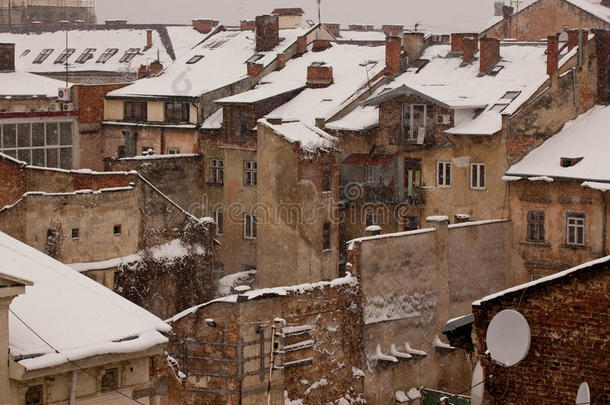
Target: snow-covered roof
[76,315]
[184,38]
[362,36]
[586,137]
[218,61]
[214,121]
[543,280]
[447,81]
[28,48]
[22,84]
[263,92]
[361,119]
[309,138]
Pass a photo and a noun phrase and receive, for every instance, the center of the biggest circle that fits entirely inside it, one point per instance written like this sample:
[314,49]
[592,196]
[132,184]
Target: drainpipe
[73,387]
[604,223]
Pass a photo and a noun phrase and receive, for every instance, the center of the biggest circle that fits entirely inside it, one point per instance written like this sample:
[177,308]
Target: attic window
[495,70]
[318,64]
[63,57]
[254,58]
[569,162]
[369,62]
[43,56]
[194,59]
[511,95]
[26,52]
[129,55]
[85,56]
[498,107]
[108,53]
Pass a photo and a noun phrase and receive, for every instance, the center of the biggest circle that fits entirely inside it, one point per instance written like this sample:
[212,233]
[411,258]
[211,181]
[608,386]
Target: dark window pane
[24,156]
[65,158]
[38,134]
[9,135]
[12,153]
[52,158]
[23,135]
[52,137]
[38,157]
[65,133]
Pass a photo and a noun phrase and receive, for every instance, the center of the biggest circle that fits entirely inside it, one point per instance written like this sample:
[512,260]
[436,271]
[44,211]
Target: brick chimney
[78,23]
[552,55]
[490,53]
[605,3]
[573,38]
[319,74]
[413,44]
[393,30]
[267,32]
[255,69]
[36,24]
[393,51]
[247,25]
[507,11]
[301,45]
[457,40]
[204,25]
[320,45]
[470,49]
[357,27]
[64,23]
[7,57]
[281,61]
[149,39]
[116,22]
[335,29]
[370,28]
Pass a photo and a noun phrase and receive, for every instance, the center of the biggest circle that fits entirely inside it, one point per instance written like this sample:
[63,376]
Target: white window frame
[441,168]
[374,174]
[414,132]
[476,167]
[217,168]
[250,173]
[218,216]
[173,151]
[576,221]
[251,224]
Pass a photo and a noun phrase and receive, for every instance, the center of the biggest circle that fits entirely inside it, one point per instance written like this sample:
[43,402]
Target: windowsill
[534,243]
[215,184]
[575,247]
[327,250]
[478,189]
[250,239]
[440,186]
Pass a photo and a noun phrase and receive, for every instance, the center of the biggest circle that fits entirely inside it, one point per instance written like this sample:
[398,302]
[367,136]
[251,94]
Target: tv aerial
[508,338]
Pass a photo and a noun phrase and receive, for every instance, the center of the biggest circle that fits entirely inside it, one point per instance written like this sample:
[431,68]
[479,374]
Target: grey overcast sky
[436,15]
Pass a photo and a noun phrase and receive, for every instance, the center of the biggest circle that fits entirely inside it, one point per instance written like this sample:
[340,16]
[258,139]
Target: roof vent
[569,162]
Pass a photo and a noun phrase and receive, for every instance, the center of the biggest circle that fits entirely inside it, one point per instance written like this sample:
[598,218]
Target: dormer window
[417,121]
[569,162]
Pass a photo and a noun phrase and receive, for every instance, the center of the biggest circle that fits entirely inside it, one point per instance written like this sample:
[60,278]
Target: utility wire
[73,362]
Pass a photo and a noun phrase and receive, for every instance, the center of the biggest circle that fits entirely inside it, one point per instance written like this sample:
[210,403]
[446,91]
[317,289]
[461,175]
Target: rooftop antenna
[67,57]
[319,12]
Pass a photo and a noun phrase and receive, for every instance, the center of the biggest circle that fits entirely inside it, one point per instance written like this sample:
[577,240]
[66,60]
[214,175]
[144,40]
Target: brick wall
[552,372]
[12,181]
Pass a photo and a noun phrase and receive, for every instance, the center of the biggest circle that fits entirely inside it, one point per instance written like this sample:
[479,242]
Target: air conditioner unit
[68,107]
[421,135]
[63,94]
[444,119]
[54,107]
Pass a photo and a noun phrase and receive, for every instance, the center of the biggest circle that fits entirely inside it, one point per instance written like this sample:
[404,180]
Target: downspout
[73,387]
[604,223]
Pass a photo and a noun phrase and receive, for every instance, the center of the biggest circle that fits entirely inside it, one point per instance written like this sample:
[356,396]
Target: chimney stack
[573,38]
[78,23]
[255,69]
[393,55]
[605,3]
[413,44]
[396,30]
[247,25]
[507,11]
[301,45]
[36,24]
[320,45]
[335,29]
[457,40]
[149,39]
[490,53]
[205,26]
[470,49]
[281,61]
[552,55]
[267,32]
[319,74]
[116,22]
[7,57]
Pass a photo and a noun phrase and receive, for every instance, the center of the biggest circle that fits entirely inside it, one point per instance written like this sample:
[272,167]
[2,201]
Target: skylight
[194,59]
[108,53]
[26,52]
[511,95]
[254,58]
[43,55]
[498,107]
[63,57]
[129,55]
[85,56]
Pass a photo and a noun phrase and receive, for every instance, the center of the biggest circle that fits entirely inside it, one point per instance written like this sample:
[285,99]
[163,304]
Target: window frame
[86,55]
[536,226]
[218,216]
[327,237]
[173,151]
[410,135]
[43,55]
[250,173]
[577,217]
[194,59]
[136,111]
[107,55]
[250,223]
[375,219]
[176,112]
[441,168]
[117,230]
[217,168]
[477,167]
[129,55]
[64,56]
[115,383]
[326,178]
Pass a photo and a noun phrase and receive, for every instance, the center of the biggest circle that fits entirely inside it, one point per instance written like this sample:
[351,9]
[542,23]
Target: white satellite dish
[508,337]
[476,393]
[584,395]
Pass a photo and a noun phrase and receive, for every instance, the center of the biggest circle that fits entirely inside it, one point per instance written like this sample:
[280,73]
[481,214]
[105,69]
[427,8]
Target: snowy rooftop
[114,43]
[361,119]
[447,81]
[22,84]
[76,315]
[218,61]
[309,138]
[586,137]
[543,280]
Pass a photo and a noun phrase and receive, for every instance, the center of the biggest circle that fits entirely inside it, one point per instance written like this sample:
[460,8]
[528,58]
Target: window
[535,226]
[511,95]
[121,153]
[108,53]
[117,230]
[85,56]
[216,171]
[416,120]
[25,53]
[371,219]
[136,111]
[326,182]
[176,112]
[411,223]
[63,57]
[43,144]
[194,59]
[43,56]
[374,174]
[250,173]
[239,125]
[129,55]
[498,107]
[174,151]
[33,396]
[575,231]
[443,174]
[254,58]
[75,233]
[219,219]
[250,226]
[326,243]
[110,380]
[477,176]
